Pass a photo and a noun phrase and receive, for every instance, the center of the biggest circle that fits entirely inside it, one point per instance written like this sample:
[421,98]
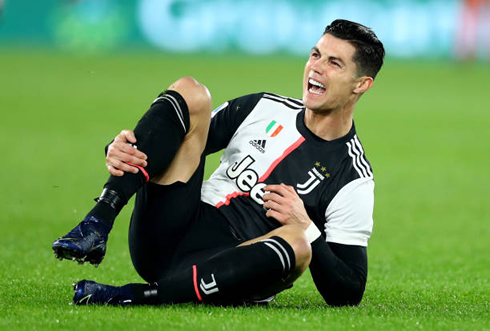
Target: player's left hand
[283,204]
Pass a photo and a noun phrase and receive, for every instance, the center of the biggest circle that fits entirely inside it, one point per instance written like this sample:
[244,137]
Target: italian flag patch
[273,129]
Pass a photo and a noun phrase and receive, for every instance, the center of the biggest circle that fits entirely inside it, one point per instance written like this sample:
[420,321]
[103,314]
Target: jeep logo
[246,179]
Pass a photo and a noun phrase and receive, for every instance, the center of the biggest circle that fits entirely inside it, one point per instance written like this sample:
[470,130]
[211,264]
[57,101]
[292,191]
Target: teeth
[314,82]
[314,92]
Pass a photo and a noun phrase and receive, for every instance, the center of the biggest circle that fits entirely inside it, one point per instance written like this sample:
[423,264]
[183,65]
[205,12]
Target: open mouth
[316,87]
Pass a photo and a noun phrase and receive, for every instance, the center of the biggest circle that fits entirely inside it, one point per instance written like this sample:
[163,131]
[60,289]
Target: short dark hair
[369,53]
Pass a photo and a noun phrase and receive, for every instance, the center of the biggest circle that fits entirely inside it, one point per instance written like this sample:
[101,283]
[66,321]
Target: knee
[296,238]
[195,94]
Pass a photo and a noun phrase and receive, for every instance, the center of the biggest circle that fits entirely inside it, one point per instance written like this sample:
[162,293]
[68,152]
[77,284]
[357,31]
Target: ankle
[109,204]
[143,294]
[112,198]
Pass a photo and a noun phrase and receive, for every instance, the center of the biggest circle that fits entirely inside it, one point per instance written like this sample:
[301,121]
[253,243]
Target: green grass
[425,130]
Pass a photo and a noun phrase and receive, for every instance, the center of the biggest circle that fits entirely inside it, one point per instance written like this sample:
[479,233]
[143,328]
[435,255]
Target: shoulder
[349,166]
[286,101]
[241,104]
[252,98]
[244,105]
[356,165]
[350,161]
[349,214]
[256,97]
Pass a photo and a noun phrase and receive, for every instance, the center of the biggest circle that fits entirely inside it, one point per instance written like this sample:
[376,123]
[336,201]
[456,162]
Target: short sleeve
[226,119]
[349,216]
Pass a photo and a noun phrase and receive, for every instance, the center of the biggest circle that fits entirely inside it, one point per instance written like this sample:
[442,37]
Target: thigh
[161,217]
[207,236]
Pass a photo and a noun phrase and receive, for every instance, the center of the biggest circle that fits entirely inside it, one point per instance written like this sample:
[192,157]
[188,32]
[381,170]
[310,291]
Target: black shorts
[171,228]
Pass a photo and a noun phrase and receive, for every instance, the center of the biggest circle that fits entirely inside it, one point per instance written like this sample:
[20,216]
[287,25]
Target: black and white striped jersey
[267,142]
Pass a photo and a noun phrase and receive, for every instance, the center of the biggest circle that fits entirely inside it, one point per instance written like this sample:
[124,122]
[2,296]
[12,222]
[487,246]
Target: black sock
[234,275]
[159,134]
[104,213]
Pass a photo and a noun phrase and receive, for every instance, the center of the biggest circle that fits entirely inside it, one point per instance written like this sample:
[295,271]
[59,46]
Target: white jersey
[267,142]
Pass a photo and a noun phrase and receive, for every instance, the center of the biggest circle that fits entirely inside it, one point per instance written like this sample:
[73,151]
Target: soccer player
[293,189]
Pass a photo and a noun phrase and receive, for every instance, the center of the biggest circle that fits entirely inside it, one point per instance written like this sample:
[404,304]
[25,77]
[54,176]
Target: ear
[363,84]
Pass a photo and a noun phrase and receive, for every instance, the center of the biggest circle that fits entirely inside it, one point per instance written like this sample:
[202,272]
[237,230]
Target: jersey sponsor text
[246,179]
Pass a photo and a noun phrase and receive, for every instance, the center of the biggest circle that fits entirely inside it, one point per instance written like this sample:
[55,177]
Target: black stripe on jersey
[290,102]
[356,152]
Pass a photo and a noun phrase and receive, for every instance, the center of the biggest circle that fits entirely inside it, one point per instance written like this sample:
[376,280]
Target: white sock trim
[278,254]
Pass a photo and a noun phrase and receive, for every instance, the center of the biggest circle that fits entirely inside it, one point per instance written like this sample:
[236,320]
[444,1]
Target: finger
[133,151]
[273,188]
[130,150]
[275,215]
[288,188]
[116,154]
[129,136]
[126,148]
[121,137]
[139,154]
[126,161]
[272,205]
[115,147]
[122,146]
[293,192]
[279,189]
[113,171]
[119,165]
[273,197]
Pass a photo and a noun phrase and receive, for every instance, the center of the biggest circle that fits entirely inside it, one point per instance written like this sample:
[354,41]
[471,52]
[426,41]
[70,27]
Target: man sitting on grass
[293,189]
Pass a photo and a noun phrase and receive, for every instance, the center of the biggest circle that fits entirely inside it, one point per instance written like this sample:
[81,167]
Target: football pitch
[425,129]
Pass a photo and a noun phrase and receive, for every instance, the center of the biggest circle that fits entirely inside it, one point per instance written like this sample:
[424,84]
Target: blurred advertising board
[408,28]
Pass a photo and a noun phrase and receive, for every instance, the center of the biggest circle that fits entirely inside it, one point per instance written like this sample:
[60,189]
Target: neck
[329,125]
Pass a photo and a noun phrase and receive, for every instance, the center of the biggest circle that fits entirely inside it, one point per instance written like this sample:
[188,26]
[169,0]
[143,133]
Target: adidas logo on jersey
[259,144]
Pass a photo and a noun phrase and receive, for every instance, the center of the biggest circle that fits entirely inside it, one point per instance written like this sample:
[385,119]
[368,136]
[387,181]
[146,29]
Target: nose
[317,67]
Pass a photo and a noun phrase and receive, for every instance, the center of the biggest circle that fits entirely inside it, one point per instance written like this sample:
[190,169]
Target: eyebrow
[314,48]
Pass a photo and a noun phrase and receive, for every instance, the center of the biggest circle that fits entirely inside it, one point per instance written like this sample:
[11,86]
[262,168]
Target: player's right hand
[123,151]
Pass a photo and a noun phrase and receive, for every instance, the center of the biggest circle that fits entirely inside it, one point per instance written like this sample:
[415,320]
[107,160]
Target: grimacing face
[330,76]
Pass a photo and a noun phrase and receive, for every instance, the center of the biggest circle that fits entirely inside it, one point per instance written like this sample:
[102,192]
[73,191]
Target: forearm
[339,272]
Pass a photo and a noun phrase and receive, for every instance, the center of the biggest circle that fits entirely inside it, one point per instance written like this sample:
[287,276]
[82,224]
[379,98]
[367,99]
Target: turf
[425,130]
